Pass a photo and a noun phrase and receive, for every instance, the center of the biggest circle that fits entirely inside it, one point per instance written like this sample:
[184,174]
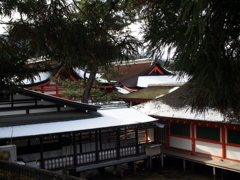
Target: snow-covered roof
[133,61]
[98,76]
[160,109]
[122,90]
[175,105]
[42,76]
[108,118]
[145,81]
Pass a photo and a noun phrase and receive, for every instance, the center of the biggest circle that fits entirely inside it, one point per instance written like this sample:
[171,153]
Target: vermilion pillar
[193,136]
[223,129]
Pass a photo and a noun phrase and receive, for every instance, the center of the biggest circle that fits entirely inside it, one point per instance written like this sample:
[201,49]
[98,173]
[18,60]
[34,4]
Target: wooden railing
[14,171]
[91,157]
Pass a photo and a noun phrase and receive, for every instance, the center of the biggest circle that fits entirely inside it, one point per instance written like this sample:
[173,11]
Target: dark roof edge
[58,100]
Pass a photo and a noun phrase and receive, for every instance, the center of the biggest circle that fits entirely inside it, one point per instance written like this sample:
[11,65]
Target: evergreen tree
[78,34]
[205,36]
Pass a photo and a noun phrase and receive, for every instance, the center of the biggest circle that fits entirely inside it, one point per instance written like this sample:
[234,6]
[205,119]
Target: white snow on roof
[121,90]
[173,89]
[145,81]
[38,78]
[98,76]
[109,118]
[158,108]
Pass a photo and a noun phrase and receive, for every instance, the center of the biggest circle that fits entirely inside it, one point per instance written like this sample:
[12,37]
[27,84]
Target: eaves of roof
[60,101]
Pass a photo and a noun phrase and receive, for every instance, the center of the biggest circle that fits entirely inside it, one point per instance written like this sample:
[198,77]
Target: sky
[1,25]
[135,30]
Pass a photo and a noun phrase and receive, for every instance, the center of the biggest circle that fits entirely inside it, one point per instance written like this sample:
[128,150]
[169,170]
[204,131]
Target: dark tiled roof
[177,98]
[132,79]
[47,117]
[131,70]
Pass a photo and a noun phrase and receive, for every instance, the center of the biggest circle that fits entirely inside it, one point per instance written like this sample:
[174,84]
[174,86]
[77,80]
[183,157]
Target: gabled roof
[130,70]
[134,72]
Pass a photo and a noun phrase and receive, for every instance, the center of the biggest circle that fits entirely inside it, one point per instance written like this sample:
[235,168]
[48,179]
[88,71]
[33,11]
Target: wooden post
[162,163]
[168,133]
[223,143]
[214,172]
[156,134]
[146,135]
[184,165]
[118,142]
[193,137]
[42,89]
[74,150]
[100,139]
[57,90]
[136,141]
[80,142]
[41,154]
[223,174]
[96,146]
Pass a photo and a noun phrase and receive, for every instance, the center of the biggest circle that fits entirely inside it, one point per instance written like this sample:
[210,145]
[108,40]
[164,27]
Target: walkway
[209,161]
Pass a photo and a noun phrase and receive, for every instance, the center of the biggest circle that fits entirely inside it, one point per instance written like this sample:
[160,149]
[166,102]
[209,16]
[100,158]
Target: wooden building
[55,133]
[149,93]
[43,82]
[138,69]
[209,138]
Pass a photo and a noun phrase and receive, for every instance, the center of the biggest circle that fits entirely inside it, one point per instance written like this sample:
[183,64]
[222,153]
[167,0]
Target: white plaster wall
[150,135]
[233,152]
[208,148]
[181,143]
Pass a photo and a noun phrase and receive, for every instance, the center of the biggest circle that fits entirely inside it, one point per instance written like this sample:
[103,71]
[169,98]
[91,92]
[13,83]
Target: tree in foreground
[78,34]
[205,37]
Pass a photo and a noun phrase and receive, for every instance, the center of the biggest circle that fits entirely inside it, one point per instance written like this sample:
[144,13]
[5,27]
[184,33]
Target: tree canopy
[205,38]
[75,34]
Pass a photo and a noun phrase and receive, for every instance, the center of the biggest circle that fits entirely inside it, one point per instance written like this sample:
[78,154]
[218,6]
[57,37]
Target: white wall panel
[208,148]
[181,143]
[233,152]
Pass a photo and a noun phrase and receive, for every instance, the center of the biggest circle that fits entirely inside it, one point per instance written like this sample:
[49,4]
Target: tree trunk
[89,84]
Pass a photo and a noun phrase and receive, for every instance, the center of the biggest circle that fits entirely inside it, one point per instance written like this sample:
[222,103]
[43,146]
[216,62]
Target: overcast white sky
[135,28]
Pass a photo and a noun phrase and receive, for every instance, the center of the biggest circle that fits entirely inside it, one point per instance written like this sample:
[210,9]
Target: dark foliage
[205,37]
